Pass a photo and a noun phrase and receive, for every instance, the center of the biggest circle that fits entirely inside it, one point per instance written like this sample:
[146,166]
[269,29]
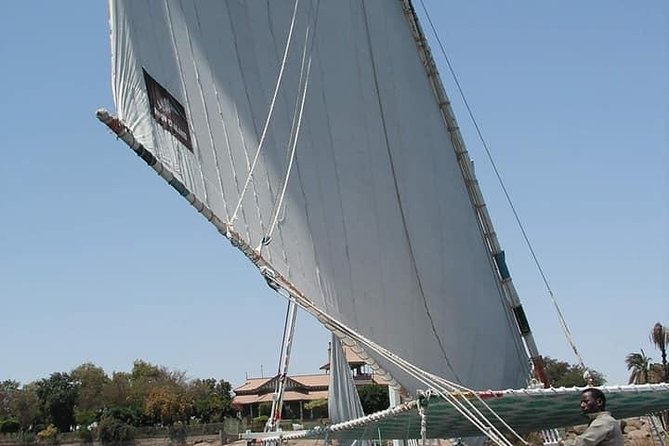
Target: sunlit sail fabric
[375,225]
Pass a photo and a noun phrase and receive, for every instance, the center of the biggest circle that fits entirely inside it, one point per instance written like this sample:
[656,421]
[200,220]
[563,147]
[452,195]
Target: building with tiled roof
[300,390]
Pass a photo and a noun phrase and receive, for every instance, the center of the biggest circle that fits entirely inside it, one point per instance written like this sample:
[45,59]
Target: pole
[277,399]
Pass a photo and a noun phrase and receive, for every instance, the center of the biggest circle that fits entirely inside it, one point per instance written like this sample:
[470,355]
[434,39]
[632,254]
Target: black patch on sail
[167,111]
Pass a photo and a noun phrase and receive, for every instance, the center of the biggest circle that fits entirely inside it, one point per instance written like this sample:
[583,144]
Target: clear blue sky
[101,261]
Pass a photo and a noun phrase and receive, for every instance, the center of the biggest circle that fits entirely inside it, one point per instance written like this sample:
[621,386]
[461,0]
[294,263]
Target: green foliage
[264,409]
[91,381]
[125,414]
[316,404]
[374,397]
[112,431]
[9,426]
[158,394]
[7,389]
[24,405]
[563,374]
[85,418]
[86,435]
[639,365]
[258,423]
[58,395]
[167,403]
[147,396]
[211,399]
[117,391]
[318,408]
[125,399]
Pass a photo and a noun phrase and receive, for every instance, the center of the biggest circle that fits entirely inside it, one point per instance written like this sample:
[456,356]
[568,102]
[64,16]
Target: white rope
[453,393]
[269,115]
[449,391]
[295,132]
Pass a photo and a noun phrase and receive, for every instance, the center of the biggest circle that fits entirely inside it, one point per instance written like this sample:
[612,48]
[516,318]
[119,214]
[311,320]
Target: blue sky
[102,262]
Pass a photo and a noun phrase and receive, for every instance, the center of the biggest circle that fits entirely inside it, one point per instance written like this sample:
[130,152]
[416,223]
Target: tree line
[88,399]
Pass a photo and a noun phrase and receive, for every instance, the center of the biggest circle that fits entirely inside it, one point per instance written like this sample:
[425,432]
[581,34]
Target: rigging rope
[561,318]
[295,132]
[269,115]
[453,393]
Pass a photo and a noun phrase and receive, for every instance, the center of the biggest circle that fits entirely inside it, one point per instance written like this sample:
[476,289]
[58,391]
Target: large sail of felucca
[316,136]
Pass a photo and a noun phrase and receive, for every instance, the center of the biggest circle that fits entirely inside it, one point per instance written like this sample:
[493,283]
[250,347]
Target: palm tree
[659,335]
[639,364]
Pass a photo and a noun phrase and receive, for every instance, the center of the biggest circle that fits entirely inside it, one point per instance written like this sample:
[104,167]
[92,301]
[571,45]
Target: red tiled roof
[318,380]
[252,384]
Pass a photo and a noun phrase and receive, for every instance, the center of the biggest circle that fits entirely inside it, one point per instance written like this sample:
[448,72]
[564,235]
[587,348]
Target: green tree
[113,431]
[318,408]
[116,392]
[144,379]
[7,389]
[125,399]
[167,404]
[91,381]
[58,395]
[563,374]
[639,364]
[659,336]
[24,405]
[211,399]
[374,397]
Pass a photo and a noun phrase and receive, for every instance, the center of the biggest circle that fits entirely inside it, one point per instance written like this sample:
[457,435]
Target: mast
[475,195]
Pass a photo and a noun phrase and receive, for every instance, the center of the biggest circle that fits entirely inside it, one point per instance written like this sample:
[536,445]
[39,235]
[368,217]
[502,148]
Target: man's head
[592,401]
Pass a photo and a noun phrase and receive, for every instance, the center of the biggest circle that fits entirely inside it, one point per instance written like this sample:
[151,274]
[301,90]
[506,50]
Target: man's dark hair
[597,395]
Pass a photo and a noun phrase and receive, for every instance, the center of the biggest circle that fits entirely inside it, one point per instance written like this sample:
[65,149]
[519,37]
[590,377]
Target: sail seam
[206,109]
[506,288]
[335,171]
[398,195]
[183,86]
[240,128]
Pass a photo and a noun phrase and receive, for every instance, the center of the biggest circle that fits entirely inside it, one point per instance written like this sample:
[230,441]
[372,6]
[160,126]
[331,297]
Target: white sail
[343,399]
[375,226]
